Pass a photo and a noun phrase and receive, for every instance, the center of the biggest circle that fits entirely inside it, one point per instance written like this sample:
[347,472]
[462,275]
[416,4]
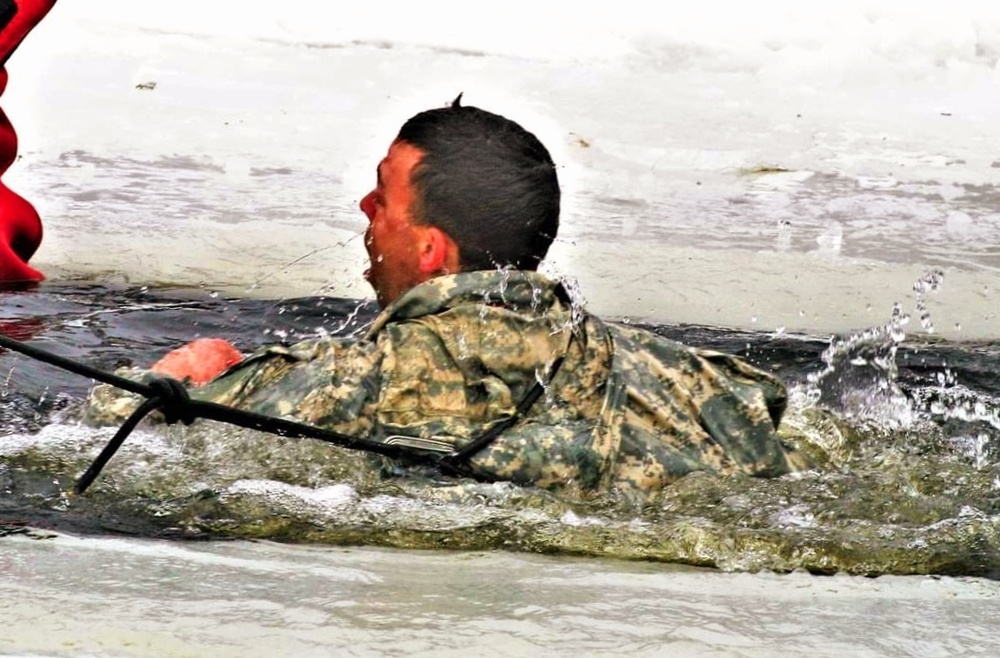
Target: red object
[20,226]
[200,361]
[21,329]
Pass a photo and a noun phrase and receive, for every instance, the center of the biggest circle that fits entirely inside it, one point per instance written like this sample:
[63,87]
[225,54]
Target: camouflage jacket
[626,412]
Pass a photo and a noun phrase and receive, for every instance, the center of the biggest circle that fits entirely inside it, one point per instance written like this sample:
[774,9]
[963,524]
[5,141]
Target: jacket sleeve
[328,382]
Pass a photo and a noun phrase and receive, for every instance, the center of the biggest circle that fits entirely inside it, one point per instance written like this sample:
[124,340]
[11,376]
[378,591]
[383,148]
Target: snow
[242,168]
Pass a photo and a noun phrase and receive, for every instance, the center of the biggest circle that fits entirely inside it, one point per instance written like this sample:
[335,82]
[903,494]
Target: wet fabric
[628,412]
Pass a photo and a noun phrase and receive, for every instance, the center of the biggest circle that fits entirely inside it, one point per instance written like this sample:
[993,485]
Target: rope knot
[172,400]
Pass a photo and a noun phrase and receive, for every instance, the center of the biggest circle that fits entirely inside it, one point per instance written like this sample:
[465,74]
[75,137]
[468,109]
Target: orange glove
[200,361]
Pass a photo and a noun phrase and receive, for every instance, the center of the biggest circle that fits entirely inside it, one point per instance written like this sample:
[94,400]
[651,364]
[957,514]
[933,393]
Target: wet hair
[486,182]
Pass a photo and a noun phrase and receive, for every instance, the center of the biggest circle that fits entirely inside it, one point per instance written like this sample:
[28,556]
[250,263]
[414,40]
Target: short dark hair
[486,182]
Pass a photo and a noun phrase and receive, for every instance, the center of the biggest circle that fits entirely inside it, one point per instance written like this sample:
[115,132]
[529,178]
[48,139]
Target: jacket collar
[518,290]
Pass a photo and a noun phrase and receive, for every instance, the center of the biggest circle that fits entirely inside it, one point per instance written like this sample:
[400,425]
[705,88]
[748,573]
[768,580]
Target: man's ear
[437,253]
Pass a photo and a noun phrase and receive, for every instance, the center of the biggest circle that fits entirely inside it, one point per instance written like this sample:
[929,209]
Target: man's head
[461,189]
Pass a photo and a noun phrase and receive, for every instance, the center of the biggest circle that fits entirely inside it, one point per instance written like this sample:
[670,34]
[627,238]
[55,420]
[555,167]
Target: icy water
[812,187]
[906,433]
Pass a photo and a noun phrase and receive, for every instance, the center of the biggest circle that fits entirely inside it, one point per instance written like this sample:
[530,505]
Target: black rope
[116,442]
[74,367]
[171,398]
[458,461]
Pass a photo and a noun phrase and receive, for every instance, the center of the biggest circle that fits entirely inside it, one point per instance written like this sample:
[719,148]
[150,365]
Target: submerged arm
[326,382]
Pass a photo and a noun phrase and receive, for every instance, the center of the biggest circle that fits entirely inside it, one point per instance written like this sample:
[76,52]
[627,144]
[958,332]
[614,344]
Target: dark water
[906,432]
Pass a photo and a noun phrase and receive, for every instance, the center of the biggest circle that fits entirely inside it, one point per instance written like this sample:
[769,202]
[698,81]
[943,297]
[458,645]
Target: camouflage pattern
[627,412]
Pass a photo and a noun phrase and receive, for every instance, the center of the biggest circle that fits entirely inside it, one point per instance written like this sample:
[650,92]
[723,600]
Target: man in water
[465,207]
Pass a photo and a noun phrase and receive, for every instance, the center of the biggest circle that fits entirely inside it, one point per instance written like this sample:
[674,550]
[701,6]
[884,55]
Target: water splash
[352,325]
[5,387]
[976,449]
[860,382]
[860,375]
[974,419]
[500,291]
[536,297]
[464,352]
[929,282]
[505,273]
[300,323]
[918,500]
[577,302]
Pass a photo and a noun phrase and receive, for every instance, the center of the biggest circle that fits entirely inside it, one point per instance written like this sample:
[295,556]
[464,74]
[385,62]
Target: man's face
[391,238]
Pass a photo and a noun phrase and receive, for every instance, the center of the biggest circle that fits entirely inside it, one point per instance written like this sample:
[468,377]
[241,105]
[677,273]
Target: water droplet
[958,326]
[753,319]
